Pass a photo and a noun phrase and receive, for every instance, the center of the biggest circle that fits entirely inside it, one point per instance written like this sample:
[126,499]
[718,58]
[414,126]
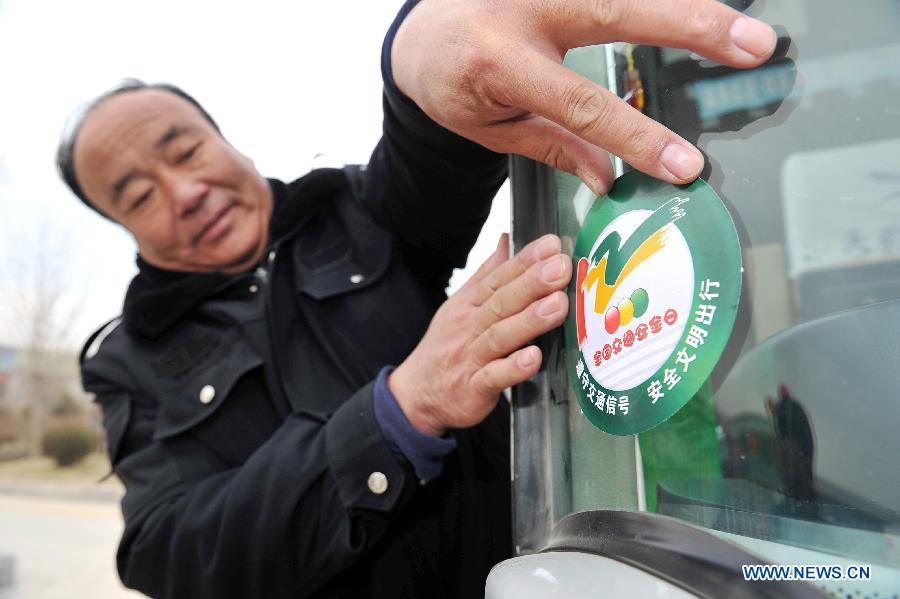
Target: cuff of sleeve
[368,474]
[424,452]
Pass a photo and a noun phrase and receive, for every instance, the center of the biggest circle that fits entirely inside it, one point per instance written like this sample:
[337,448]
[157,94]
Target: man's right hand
[473,348]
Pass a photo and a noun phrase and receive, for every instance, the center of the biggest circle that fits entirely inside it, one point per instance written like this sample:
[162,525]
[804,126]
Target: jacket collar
[158,298]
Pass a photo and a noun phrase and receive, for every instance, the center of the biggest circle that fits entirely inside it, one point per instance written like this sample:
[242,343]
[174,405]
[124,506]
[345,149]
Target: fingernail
[545,247]
[553,270]
[549,306]
[682,163]
[752,36]
[592,181]
[528,357]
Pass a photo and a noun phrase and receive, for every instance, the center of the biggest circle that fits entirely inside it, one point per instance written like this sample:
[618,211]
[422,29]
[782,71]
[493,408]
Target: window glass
[791,445]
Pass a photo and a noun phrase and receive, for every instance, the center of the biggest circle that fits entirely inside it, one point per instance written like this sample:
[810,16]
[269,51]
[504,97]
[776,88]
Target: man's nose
[187,193]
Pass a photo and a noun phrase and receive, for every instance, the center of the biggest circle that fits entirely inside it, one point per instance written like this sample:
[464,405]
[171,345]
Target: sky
[293,85]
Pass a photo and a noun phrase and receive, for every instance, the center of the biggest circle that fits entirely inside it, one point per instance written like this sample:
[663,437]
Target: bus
[775,474]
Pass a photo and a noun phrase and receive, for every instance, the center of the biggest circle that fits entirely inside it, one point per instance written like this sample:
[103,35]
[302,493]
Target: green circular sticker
[657,286]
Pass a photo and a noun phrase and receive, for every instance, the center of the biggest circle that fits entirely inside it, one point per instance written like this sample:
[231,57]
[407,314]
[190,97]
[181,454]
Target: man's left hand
[491,71]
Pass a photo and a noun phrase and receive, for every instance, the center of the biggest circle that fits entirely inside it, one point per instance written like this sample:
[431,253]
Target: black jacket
[238,409]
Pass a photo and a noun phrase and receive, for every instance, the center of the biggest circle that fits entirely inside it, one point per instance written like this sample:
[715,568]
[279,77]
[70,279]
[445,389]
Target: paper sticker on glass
[657,286]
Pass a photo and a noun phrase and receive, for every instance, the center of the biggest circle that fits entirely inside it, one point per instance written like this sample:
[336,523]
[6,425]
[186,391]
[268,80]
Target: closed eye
[188,154]
[141,200]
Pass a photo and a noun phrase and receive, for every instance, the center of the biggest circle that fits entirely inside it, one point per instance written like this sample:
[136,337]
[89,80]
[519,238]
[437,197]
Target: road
[63,548]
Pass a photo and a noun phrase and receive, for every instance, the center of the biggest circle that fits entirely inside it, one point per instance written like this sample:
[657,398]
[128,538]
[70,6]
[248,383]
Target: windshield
[791,444]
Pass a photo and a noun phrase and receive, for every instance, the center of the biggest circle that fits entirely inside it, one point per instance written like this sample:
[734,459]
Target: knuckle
[482,66]
[477,63]
[554,155]
[493,281]
[586,109]
[644,143]
[494,340]
[706,24]
[553,150]
[487,288]
[523,256]
[478,297]
[495,305]
[606,13]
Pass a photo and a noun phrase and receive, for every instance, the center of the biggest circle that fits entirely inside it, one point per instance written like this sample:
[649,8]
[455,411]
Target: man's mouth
[214,226]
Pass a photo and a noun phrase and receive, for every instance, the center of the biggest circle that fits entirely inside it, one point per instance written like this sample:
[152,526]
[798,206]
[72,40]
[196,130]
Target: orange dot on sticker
[626,311]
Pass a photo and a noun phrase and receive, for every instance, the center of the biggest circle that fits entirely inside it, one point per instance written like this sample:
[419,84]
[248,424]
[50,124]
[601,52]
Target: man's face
[154,164]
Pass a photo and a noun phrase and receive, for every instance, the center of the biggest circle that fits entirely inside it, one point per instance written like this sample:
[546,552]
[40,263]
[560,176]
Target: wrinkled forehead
[125,127]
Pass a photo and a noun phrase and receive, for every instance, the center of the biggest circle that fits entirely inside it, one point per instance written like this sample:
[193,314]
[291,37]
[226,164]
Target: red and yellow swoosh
[588,276]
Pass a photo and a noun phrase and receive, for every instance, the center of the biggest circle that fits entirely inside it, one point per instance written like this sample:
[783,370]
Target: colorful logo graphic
[621,314]
[656,289]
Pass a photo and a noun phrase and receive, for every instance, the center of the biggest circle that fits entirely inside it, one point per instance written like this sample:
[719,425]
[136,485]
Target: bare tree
[41,304]
[44,300]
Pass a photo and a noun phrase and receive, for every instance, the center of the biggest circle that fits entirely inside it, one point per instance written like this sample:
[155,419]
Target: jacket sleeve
[430,187]
[284,523]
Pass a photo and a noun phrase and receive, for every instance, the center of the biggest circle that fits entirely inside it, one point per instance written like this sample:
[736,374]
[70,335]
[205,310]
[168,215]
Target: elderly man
[268,446]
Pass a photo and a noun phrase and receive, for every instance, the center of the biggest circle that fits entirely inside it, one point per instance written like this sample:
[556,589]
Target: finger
[499,374]
[500,255]
[539,281]
[599,117]
[509,334]
[708,27]
[545,141]
[502,274]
